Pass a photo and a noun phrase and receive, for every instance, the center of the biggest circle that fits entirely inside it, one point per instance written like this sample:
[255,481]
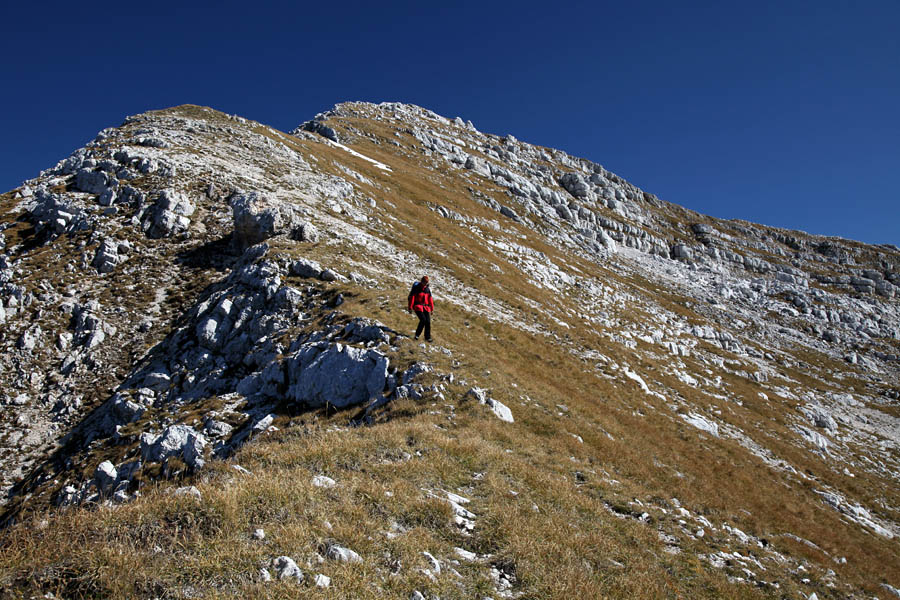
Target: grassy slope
[556,533]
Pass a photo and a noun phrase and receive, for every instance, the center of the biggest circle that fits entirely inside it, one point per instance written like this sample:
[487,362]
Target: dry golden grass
[163,544]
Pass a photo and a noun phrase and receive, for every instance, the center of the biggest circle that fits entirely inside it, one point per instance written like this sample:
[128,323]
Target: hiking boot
[415,337]
[429,340]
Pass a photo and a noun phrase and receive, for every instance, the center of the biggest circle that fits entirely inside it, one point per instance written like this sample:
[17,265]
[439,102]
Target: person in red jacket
[421,302]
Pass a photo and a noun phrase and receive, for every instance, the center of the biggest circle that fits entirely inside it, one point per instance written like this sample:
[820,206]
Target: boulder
[306,232]
[303,267]
[107,256]
[335,374]
[316,126]
[29,338]
[169,215]
[479,166]
[91,182]
[179,441]
[216,429]
[820,417]
[258,217]
[57,215]
[682,251]
[575,185]
[364,330]
[510,213]
[124,410]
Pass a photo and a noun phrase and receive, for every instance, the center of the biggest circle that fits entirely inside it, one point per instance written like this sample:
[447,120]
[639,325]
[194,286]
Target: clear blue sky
[785,112]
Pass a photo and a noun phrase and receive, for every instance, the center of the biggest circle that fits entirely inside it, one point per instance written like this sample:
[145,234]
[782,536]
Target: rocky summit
[210,386]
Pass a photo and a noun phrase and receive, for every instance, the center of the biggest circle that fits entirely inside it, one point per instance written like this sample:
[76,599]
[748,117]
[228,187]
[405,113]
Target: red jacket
[420,299]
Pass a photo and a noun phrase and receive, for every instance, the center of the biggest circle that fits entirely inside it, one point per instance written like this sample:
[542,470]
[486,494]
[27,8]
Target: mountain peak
[207,337]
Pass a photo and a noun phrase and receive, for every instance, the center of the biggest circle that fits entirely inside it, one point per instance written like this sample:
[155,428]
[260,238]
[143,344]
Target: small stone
[322,581]
[342,554]
[258,534]
[286,568]
[189,491]
[465,554]
[435,565]
[323,481]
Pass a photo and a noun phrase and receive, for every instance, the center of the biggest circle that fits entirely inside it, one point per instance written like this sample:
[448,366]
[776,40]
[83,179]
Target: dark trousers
[424,323]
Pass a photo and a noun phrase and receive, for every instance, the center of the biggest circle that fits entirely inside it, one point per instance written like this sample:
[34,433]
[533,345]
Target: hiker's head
[425,279]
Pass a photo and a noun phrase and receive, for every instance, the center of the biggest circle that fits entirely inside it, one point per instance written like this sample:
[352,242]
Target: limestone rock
[820,417]
[105,477]
[702,423]
[478,165]
[342,554]
[258,217]
[500,410]
[91,182]
[317,126]
[366,330]
[180,441]
[323,481]
[335,374]
[169,215]
[682,251]
[107,256]
[29,338]
[306,268]
[189,490]
[57,215]
[286,568]
[575,185]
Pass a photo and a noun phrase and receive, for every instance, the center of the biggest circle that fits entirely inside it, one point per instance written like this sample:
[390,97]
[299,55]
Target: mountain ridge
[208,278]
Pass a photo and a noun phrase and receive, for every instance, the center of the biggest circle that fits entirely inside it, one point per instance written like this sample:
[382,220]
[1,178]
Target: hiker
[422,304]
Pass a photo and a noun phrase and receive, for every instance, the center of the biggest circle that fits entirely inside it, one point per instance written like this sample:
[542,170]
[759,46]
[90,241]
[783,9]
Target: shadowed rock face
[258,217]
[176,288]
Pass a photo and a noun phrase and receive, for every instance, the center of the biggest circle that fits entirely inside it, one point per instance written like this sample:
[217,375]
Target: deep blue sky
[785,112]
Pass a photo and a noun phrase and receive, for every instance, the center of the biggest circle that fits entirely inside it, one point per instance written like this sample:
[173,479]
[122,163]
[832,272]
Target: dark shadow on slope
[219,255]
